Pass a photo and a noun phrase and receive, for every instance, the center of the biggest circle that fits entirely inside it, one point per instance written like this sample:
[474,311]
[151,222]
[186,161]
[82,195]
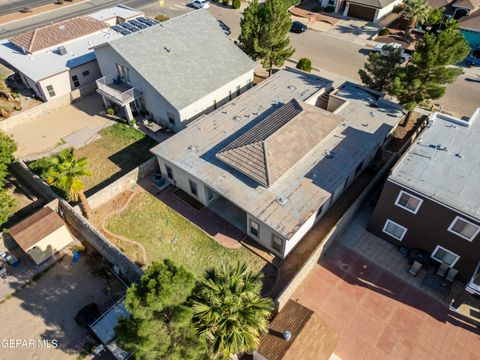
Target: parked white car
[200,4]
[384,50]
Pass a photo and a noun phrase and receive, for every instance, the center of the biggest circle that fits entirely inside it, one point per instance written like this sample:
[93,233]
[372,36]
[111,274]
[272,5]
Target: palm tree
[229,310]
[65,172]
[417,11]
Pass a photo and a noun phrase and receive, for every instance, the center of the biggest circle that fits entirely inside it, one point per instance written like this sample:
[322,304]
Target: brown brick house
[431,199]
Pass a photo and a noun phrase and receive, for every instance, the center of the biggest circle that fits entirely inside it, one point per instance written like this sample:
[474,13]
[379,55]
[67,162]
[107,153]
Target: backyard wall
[127,181]
[337,230]
[34,183]
[47,107]
[128,270]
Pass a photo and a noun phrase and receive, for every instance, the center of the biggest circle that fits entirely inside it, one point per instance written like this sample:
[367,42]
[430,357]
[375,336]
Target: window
[238,90]
[277,243]
[171,118]
[394,230]
[214,104]
[210,195]
[169,172]
[193,187]
[253,228]
[75,81]
[230,95]
[50,90]
[408,202]
[464,228]
[331,2]
[445,256]
[86,73]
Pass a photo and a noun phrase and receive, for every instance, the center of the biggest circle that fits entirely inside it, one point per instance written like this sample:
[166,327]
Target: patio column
[105,102]
[128,113]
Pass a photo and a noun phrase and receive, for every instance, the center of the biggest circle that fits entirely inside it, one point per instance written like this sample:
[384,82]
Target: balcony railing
[116,90]
[473,285]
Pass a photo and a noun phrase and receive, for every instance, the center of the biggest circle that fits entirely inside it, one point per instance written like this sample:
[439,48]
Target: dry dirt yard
[45,310]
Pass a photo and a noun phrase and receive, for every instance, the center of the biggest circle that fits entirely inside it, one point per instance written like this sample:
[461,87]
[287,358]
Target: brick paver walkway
[378,316]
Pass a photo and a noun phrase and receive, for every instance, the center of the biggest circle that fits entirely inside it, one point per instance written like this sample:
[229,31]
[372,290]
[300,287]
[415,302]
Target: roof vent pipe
[286,335]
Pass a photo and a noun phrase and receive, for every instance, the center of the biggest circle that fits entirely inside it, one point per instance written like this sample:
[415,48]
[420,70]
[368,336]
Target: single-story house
[370,10]
[274,160]
[55,59]
[175,71]
[42,235]
[296,333]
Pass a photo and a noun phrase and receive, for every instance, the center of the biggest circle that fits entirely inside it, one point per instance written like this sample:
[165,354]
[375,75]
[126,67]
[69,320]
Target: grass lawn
[120,149]
[165,234]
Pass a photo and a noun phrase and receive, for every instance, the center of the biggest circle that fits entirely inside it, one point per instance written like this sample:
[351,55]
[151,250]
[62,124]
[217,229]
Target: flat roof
[297,195]
[104,326]
[120,11]
[444,163]
[48,62]
[188,49]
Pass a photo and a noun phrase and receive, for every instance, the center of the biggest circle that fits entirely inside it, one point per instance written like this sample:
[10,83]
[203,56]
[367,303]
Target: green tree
[425,76]
[65,173]
[236,4]
[380,69]
[250,30]
[160,326]
[7,205]
[229,310]
[304,64]
[417,11]
[274,43]
[7,150]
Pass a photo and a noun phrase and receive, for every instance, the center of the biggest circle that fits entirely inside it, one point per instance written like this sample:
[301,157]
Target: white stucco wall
[62,83]
[221,96]
[386,10]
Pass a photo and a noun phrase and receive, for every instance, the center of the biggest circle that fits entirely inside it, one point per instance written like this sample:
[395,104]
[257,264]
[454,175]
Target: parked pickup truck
[384,50]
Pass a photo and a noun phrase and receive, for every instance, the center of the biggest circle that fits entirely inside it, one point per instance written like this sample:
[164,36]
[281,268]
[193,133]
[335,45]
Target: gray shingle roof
[185,58]
[268,150]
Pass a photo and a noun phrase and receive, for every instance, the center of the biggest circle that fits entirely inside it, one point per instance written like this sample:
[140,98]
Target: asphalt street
[11,6]
[336,53]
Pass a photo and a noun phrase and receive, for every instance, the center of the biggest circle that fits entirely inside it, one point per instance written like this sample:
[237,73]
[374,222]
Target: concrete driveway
[44,133]
[44,311]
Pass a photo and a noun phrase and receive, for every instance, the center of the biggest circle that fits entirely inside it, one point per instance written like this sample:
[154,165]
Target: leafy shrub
[110,111]
[161,17]
[236,4]
[304,64]
[225,2]
[384,32]
[317,9]
[329,9]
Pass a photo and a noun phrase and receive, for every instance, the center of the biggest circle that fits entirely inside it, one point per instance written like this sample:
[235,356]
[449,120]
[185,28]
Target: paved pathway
[378,316]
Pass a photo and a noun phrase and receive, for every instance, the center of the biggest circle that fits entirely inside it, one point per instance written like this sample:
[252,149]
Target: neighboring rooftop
[306,185]
[378,4]
[119,12]
[56,34]
[269,149]
[190,48]
[467,4]
[471,21]
[311,338]
[443,161]
[50,62]
[34,228]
